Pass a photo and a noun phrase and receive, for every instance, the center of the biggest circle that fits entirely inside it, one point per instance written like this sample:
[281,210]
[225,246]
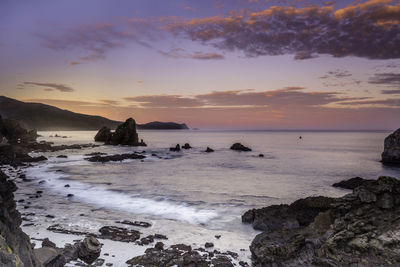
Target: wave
[110,199]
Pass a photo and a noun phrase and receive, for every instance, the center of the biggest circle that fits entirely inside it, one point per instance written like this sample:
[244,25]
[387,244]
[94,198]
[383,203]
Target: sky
[213,64]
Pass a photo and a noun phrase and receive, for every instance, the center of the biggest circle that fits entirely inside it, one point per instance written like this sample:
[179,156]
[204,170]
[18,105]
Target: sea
[192,196]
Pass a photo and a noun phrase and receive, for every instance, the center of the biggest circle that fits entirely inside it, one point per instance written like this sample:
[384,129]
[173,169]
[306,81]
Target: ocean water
[191,195]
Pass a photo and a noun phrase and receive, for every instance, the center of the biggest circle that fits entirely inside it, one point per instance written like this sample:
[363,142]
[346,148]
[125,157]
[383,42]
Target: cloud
[286,97]
[164,101]
[95,41]
[110,102]
[339,73]
[390,79]
[48,89]
[55,86]
[392,102]
[369,30]
[178,53]
[391,92]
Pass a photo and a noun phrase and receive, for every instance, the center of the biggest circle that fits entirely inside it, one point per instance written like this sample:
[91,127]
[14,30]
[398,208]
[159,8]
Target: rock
[103,135]
[391,152]
[89,249]
[208,245]
[177,148]
[277,217]
[358,229]
[135,223]
[159,245]
[117,157]
[62,156]
[126,134]
[209,150]
[47,243]
[50,257]
[70,195]
[239,147]
[15,245]
[260,155]
[119,234]
[186,146]
[351,183]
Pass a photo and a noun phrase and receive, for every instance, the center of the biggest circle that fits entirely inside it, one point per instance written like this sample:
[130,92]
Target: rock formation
[240,147]
[15,246]
[358,229]
[103,135]
[391,152]
[125,134]
[351,183]
[177,148]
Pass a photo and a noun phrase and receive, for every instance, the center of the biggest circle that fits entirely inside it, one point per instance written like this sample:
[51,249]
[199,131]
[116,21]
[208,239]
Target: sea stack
[391,152]
[125,134]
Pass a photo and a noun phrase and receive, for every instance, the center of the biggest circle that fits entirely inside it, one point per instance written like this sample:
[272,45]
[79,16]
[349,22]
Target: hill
[45,117]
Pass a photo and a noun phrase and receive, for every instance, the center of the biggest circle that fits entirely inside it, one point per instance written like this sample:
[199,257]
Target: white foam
[101,197]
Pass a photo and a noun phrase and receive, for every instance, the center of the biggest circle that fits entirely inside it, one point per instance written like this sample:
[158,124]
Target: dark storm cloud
[370,30]
[55,86]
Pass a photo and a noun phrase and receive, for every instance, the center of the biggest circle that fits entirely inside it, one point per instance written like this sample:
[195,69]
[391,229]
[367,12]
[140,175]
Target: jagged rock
[15,246]
[103,135]
[50,257]
[177,148]
[240,147]
[47,243]
[358,229]
[391,152]
[352,183]
[125,134]
[135,223]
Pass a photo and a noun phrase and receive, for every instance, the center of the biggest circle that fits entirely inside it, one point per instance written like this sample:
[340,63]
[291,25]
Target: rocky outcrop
[15,246]
[352,183]
[391,152]
[117,157]
[186,146]
[103,135]
[12,131]
[240,147]
[359,229]
[125,134]
[209,150]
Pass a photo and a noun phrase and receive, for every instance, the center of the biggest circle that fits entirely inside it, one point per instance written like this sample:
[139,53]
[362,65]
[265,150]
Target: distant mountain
[157,125]
[45,117]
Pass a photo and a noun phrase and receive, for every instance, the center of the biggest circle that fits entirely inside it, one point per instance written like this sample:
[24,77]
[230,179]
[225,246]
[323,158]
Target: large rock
[240,147]
[351,183]
[391,152]
[15,246]
[125,134]
[358,229]
[15,133]
[103,135]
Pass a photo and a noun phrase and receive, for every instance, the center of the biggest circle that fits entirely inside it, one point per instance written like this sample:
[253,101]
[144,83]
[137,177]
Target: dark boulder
[89,249]
[119,234]
[240,147]
[391,152]
[117,157]
[103,135]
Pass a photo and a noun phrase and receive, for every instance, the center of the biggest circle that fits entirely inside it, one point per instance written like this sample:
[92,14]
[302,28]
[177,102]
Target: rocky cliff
[15,246]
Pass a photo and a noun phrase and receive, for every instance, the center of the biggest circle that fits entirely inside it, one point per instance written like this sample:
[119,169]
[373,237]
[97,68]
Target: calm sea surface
[192,195]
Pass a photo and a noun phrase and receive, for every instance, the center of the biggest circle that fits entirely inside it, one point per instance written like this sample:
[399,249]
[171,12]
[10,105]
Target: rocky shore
[358,229]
